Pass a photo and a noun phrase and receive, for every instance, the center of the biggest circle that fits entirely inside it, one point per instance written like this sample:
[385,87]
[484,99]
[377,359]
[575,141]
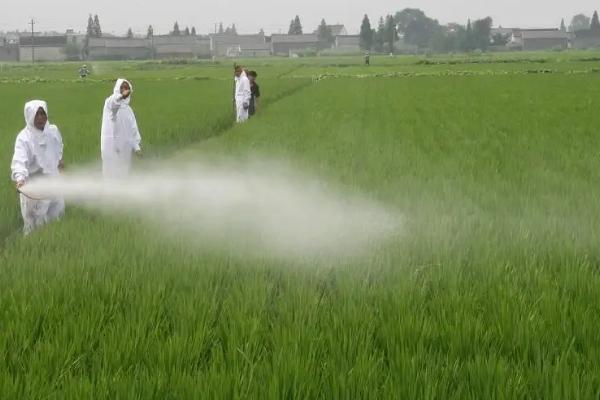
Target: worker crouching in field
[120,136]
[38,154]
[242,94]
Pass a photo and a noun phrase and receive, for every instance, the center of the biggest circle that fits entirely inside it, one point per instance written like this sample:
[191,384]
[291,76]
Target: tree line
[419,31]
[422,32]
[582,22]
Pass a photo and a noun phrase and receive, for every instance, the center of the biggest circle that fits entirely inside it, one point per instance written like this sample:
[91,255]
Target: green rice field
[491,290]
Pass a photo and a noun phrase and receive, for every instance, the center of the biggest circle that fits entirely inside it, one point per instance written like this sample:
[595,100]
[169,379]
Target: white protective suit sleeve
[114,102]
[20,162]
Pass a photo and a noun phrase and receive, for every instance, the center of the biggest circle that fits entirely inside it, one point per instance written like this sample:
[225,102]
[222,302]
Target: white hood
[31,109]
[117,89]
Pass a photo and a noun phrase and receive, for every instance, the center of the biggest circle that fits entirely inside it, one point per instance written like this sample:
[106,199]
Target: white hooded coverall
[120,135]
[37,154]
[242,97]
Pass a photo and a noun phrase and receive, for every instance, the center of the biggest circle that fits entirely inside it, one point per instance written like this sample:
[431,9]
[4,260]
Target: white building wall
[42,53]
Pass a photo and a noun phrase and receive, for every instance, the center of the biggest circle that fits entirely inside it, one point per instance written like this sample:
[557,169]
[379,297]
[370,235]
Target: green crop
[491,291]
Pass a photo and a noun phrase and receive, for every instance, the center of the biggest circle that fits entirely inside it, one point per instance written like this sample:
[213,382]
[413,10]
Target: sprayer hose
[29,197]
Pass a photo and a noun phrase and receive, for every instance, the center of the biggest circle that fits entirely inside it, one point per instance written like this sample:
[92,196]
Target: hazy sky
[273,15]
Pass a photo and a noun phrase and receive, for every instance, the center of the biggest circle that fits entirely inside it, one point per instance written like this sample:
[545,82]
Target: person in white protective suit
[242,95]
[38,154]
[120,136]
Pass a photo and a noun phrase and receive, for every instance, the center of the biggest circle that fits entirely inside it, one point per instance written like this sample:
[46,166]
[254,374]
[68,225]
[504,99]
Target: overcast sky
[273,15]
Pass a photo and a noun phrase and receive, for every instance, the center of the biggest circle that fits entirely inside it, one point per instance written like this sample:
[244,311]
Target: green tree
[366,34]
[97,28]
[416,27]
[193,31]
[221,30]
[391,34]
[298,25]
[441,42]
[467,42]
[595,25]
[482,31]
[379,41]
[580,22]
[233,29]
[186,31]
[448,38]
[325,35]
[90,27]
[176,31]
[295,26]
[150,32]
[129,33]
[563,27]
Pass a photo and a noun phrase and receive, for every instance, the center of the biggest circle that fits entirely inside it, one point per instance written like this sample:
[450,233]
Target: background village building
[229,45]
[9,51]
[336,30]
[118,48]
[534,40]
[287,45]
[44,48]
[165,47]
[539,39]
[347,44]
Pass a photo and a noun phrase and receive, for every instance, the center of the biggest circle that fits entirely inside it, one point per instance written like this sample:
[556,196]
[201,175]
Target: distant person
[367,59]
[38,154]
[255,93]
[243,94]
[120,136]
[84,72]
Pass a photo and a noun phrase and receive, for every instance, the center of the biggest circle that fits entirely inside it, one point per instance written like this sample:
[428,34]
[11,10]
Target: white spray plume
[250,209]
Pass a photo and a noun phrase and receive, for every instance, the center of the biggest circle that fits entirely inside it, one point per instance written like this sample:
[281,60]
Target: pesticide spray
[253,209]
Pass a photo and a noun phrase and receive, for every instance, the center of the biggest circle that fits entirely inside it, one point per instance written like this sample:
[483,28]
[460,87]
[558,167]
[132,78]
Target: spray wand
[20,191]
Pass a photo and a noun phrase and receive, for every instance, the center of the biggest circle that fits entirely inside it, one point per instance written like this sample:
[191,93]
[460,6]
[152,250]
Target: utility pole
[32,23]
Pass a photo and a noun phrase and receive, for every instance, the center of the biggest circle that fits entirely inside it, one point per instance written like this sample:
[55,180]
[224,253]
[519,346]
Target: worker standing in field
[254,93]
[120,136]
[38,154]
[243,94]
